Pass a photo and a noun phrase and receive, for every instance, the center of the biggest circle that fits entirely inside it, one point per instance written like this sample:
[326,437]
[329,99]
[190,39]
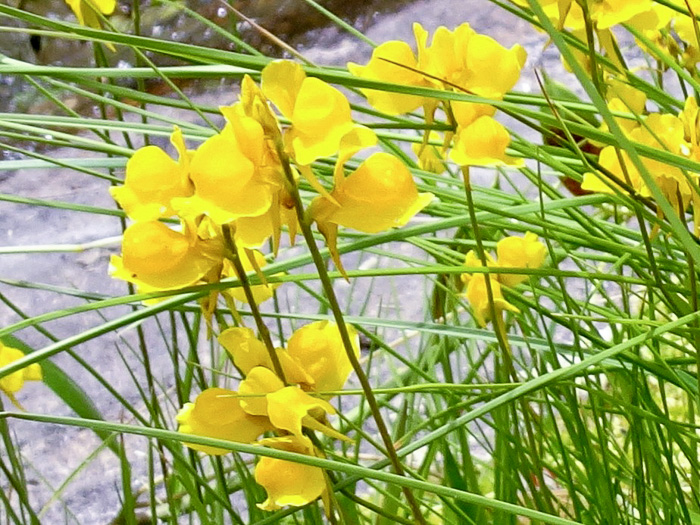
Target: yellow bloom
[248,352]
[467,59]
[519,252]
[13,383]
[319,113]
[290,409]
[217,413]
[478,298]
[152,180]
[381,68]
[160,258]
[609,160]
[484,56]
[319,349]
[261,292]
[608,13]
[477,294]
[86,14]
[446,57]
[258,382]
[229,173]
[379,195]
[466,113]
[483,143]
[286,482]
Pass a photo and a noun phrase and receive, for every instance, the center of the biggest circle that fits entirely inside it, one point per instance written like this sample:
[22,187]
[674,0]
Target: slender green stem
[344,334]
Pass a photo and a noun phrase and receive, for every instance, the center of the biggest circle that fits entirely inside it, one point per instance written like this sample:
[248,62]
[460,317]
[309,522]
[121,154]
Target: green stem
[254,310]
[342,328]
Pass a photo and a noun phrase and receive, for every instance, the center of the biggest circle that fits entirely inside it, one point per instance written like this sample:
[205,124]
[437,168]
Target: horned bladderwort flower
[234,174]
[13,383]
[314,365]
[513,252]
[156,257]
[319,113]
[380,194]
[660,131]
[153,180]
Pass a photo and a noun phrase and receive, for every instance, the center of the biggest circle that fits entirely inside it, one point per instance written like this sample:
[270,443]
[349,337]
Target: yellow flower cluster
[13,383]
[655,20]
[314,365]
[237,179]
[679,135]
[460,60]
[512,252]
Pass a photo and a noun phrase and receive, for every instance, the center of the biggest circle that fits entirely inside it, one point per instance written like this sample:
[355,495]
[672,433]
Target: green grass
[581,409]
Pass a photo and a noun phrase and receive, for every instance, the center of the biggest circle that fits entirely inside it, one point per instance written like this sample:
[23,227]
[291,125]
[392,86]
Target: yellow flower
[610,161]
[217,413]
[466,113]
[478,298]
[467,60]
[319,113]
[286,482]
[152,180]
[231,173]
[446,57]
[477,294]
[519,252]
[261,292]
[383,67]
[258,382]
[290,409]
[13,383]
[248,352]
[484,57]
[379,195]
[319,349]
[483,143]
[160,258]
[86,14]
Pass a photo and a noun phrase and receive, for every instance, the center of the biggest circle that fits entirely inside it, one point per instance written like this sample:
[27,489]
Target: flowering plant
[453,281]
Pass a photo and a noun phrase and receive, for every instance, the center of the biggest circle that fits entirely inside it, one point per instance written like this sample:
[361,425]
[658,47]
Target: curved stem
[344,335]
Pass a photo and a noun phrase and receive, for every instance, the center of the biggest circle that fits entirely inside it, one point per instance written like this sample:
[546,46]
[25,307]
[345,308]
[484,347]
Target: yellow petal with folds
[472,260]
[386,66]
[483,143]
[286,482]
[358,138]
[13,383]
[281,83]
[153,180]
[466,113]
[519,252]
[162,258]
[478,298]
[217,413]
[379,195]
[486,56]
[319,349]
[227,182]
[246,350]
[288,406]
[320,120]
[259,382]
[249,352]
[609,160]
